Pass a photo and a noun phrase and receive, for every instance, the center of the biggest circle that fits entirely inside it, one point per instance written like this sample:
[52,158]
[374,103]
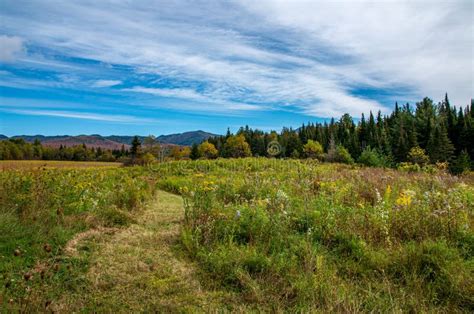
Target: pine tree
[363,138]
[194,152]
[439,146]
[371,131]
[135,150]
[425,121]
[461,164]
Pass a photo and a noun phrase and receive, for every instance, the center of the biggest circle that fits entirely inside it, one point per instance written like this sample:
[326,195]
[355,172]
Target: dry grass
[71,248]
[139,269]
[48,164]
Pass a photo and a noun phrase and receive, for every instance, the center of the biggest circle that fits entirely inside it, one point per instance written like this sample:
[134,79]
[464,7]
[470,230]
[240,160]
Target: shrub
[418,156]
[207,150]
[370,157]
[313,149]
[236,147]
[342,155]
[409,167]
[147,159]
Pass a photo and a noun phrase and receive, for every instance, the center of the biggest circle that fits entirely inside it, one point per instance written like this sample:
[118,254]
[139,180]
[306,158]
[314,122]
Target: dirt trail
[139,268]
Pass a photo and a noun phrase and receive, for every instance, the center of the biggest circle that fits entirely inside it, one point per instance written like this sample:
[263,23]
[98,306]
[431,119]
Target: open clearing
[48,164]
[243,234]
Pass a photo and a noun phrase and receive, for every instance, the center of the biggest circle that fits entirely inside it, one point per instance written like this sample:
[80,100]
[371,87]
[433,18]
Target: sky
[160,67]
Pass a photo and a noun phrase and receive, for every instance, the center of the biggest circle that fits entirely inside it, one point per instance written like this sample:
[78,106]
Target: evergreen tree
[135,150]
[461,164]
[194,152]
[425,121]
[439,146]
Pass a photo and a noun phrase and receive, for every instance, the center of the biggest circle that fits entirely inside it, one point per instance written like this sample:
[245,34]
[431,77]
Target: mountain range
[114,141]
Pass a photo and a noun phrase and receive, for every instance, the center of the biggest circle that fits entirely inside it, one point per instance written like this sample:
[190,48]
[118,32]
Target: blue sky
[160,67]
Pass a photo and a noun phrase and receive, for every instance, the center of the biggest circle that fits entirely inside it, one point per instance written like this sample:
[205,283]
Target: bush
[207,150]
[313,149]
[342,155]
[409,167]
[418,156]
[147,159]
[371,158]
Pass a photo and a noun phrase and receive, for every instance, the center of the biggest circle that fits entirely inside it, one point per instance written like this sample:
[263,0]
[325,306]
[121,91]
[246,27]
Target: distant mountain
[186,138]
[123,139]
[95,141]
[183,139]
[113,141]
[42,138]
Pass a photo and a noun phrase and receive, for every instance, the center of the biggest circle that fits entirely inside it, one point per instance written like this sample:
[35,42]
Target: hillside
[114,141]
[186,138]
[95,141]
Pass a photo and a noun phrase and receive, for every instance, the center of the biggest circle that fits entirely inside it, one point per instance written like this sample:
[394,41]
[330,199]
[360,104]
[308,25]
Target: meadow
[292,235]
[42,208]
[32,164]
[261,234]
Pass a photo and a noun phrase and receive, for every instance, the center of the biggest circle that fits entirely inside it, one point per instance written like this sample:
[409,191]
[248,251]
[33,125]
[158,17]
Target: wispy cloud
[82,115]
[106,83]
[11,48]
[213,103]
[315,58]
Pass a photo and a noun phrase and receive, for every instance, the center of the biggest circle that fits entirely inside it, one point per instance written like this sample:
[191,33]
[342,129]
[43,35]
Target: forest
[411,136]
[426,133]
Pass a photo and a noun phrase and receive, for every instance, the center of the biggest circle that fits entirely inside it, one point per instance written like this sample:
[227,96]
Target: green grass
[47,164]
[302,236]
[248,235]
[49,207]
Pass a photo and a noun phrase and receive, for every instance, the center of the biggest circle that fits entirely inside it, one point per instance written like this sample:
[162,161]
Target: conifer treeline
[19,149]
[442,130]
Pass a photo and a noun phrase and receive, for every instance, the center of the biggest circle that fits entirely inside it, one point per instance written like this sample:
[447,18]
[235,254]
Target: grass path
[141,268]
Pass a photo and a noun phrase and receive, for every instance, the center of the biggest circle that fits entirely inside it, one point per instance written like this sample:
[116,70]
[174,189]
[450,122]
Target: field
[243,234]
[32,164]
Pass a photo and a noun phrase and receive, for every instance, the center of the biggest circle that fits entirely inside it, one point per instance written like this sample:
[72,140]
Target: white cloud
[425,45]
[307,55]
[213,104]
[10,48]
[82,115]
[106,83]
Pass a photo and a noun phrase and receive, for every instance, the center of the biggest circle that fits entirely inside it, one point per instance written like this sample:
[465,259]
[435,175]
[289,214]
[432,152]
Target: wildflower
[237,214]
[280,195]
[377,194]
[405,198]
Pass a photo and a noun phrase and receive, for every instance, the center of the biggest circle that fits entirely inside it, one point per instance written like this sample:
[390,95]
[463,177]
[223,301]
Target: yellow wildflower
[405,198]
